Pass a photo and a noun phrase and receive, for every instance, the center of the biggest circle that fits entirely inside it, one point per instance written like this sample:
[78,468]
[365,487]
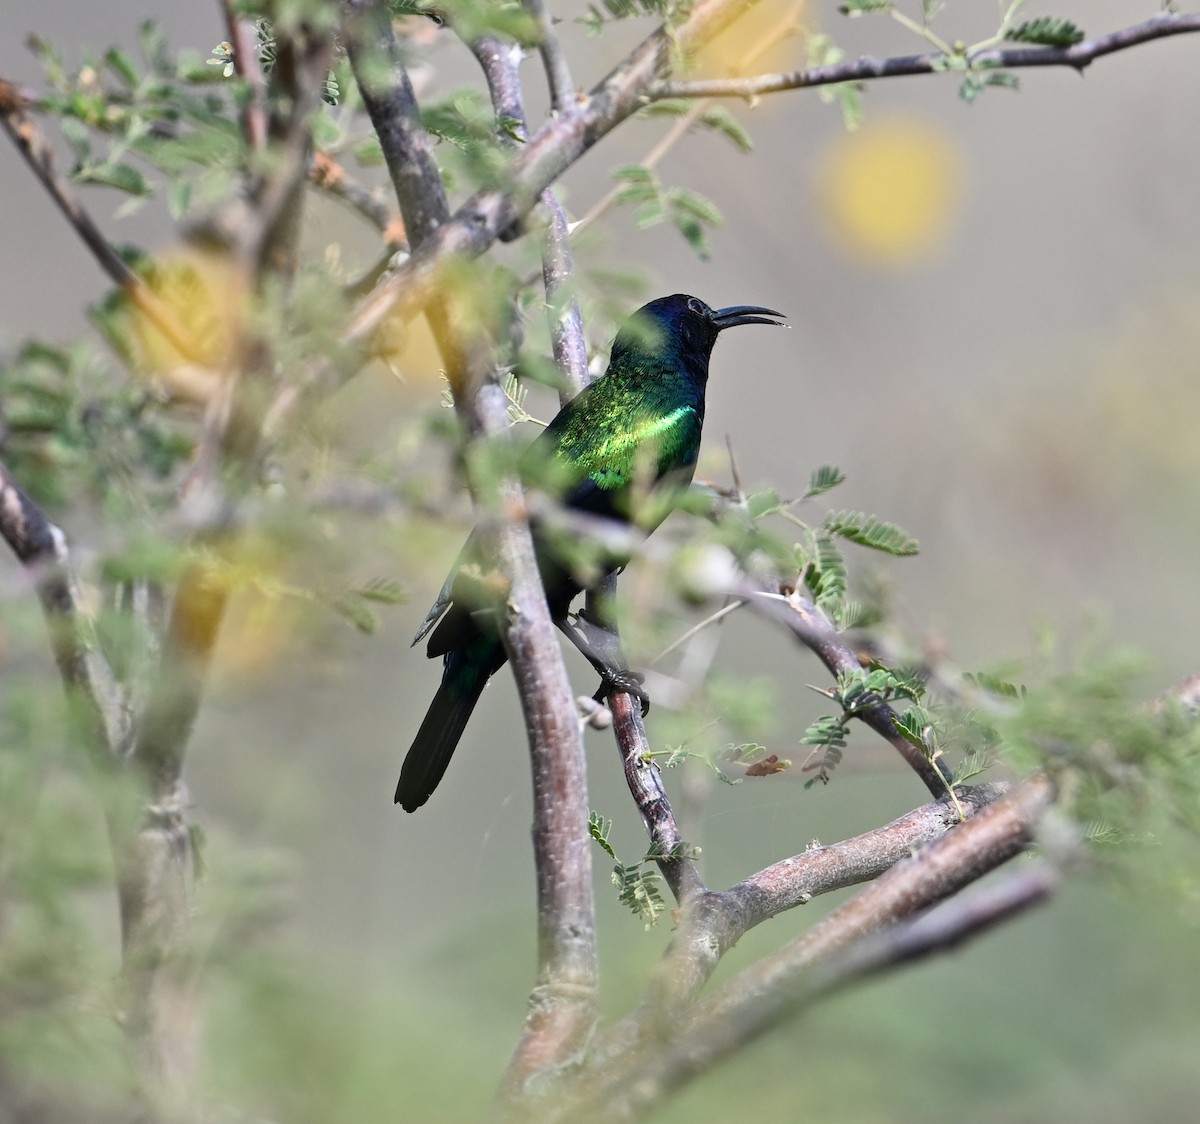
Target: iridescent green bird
[635,429]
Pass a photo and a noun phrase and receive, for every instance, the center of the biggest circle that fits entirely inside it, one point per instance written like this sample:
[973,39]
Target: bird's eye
[697,306]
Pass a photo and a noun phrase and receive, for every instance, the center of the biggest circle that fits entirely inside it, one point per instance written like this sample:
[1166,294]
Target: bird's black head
[687,323]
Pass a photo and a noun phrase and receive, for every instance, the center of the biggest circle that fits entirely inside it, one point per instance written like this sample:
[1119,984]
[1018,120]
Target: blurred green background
[995,316]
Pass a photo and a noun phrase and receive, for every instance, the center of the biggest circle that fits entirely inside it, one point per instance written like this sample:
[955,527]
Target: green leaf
[123,177]
[179,197]
[870,532]
[913,725]
[826,731]
[994,684]
[369,153]
[1047,31]
[599,829]
[650,213]
[693,234]
[668,107]
[639,892]
[352,608]
[829,572]
[119,63]
[78,137]
[385,591]
[828,734]
[863,7]
[823,478]
[634,173]
[720,120]
[854,614]
[695,205]
[974,84]
[767,502]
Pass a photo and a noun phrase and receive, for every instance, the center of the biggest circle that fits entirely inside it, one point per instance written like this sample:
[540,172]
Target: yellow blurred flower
[891,190]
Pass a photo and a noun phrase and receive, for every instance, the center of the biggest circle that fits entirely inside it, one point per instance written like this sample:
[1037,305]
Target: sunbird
[635,430]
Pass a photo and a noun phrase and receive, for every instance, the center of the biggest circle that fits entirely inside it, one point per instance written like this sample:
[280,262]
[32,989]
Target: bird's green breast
[631,442]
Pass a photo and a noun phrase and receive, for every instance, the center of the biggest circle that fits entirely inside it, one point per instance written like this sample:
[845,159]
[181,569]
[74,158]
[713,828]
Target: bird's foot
[622,679]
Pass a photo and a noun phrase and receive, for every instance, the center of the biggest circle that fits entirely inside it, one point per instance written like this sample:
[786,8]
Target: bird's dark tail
[466,673]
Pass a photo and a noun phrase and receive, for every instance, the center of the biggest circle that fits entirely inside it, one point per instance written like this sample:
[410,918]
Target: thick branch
[391,104]
[563,1004]
[562,1007]
[549,152]
[1078,57]
[833,951]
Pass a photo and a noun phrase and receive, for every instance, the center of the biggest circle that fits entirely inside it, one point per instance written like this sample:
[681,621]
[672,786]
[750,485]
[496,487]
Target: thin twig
[1078,58]
[246,64]
[25,134]
[41,547]
[683,126]
[713,618]
[326,173]
[554,60]
[805,620]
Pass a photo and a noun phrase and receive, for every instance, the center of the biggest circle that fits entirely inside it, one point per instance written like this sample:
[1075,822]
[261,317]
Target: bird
[632,432]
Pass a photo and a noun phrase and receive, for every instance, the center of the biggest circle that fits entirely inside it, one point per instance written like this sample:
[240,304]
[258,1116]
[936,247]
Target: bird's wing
[445,597]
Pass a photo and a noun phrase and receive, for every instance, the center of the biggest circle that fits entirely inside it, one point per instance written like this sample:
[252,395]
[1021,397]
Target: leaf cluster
[856,692]
[69,430]
[639,885]
[689,211]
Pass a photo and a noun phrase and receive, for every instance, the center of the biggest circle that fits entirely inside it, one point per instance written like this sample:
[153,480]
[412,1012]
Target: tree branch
[554,61]
[563,1004]
[38,155]
[331,177]
[1077,57]
[832,952]
[41,547]
[549,152]
[808,624]
[246,64]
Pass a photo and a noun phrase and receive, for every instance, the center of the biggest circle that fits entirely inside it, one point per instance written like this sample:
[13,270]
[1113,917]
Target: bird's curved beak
[731,317]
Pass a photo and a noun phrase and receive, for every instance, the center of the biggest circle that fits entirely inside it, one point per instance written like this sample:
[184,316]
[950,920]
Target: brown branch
[554,60]
[833,952]
[500,62]
[327,174]
[717,921]
[563,1004]
[645,785]
[567,340]
[151,845]
[41,547]
[550,151]
[33,146]
[391,104]
[714,922]
[1077,57]
[244,48]
[797,613]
